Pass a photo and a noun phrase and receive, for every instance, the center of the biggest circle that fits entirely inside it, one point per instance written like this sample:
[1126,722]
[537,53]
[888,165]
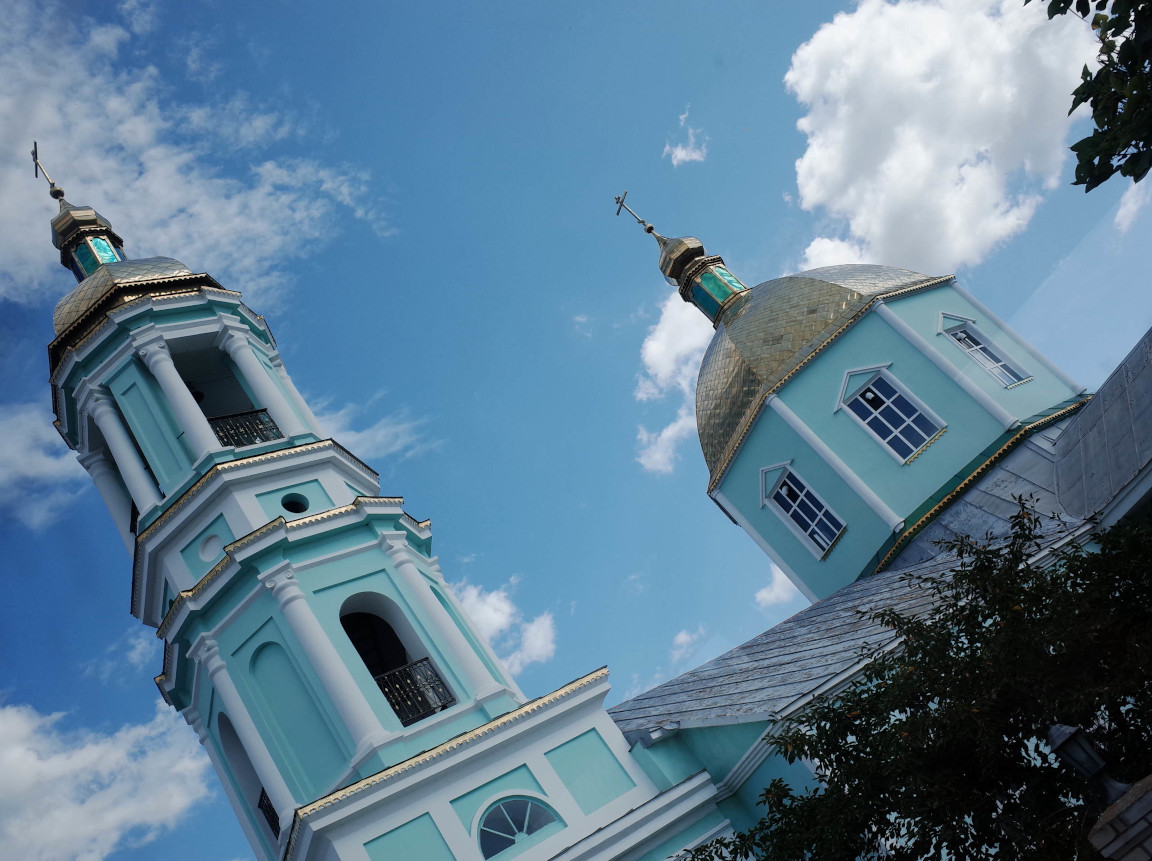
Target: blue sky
[419,198]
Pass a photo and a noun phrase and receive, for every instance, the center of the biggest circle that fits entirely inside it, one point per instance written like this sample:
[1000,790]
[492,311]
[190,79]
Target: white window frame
[990,358]
[870,375]
[770,484]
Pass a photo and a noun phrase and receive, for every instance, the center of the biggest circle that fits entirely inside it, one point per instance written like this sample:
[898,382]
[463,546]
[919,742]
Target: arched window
[514,821]
[410,683]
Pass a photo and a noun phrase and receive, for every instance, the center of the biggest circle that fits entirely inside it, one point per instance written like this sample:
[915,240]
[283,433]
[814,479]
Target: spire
[84,236]
[704,281]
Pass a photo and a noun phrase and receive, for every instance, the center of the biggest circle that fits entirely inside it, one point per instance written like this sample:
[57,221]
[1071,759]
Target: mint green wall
[719,748]
[590,771]
[518,780]
[667,762]
[772,441]
[298,729]
[813,395]
[689,835]
[742,807]
[318,500]
[922,311]
[418,839]
[146,413]
[191,551]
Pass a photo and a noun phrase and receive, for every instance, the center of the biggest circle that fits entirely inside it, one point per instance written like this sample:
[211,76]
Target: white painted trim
[953,373]
[474,827]
[941,328]
[1036,354]
[854,372]
[903,390]
[802,536]
[891,519]
[970,326]
[769,551]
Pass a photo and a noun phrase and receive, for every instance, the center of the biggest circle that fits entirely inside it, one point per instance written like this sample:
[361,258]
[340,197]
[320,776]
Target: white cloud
[671,354]
[80,795]
[134,650]
[778,591]
[659,450]
[682,153]
[1134,200]
[39,475]
[498,619]
[397,433]
[114,136]
[933,126]
[685,642]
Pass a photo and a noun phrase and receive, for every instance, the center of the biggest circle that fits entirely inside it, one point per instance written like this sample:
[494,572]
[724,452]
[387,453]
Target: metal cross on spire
[54,190]
[648,228]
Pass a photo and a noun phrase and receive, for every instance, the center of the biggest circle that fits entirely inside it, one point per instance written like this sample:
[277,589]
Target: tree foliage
[1119,91]
[935,751]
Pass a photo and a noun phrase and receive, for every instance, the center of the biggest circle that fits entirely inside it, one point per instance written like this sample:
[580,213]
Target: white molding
[941,328]
[854,372]
[953,373]
[870,498]
[803,537]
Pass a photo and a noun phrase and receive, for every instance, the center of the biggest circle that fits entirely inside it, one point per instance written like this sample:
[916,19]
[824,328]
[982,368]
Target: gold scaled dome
[767,332]
[109,276]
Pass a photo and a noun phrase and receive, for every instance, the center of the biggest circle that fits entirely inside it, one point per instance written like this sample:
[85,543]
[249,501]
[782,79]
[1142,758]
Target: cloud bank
[518,641]
[933,127]
[79,796]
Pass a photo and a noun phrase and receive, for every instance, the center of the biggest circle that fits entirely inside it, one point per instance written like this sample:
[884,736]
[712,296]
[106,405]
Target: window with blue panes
[515,822]
[893,416]
[796,501]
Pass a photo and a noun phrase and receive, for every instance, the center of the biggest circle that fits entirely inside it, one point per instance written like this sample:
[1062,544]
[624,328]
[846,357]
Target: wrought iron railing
[415,691]
[247,428]
[265,807]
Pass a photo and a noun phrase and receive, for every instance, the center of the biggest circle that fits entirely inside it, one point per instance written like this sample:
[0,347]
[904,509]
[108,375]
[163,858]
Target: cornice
[424,759]
[234,553]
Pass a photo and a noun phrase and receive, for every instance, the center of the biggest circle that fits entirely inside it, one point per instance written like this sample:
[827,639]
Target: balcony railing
[248,428]
[265,807]
[415,691]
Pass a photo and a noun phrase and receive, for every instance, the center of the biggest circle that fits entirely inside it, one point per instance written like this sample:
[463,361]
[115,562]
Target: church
[849,417]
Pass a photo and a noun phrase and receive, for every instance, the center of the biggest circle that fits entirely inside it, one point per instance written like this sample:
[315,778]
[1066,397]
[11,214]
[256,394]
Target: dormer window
[92,251]
[973,343]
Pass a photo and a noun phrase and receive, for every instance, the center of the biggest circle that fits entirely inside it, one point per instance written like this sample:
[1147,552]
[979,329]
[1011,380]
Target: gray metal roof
[767,673]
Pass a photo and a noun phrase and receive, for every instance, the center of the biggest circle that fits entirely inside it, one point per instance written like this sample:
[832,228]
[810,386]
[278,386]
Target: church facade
[351,710]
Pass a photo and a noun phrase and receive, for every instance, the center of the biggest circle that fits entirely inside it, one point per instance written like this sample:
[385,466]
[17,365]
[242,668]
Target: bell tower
[310,638]
[349,707]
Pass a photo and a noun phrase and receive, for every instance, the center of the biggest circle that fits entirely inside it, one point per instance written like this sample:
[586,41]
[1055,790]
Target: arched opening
[516,822]
[219,389]
[396,659]
[248,785]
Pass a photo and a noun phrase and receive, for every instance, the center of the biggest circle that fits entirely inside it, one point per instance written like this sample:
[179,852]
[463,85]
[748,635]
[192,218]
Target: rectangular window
[973,344]
[804,508]
[890,414]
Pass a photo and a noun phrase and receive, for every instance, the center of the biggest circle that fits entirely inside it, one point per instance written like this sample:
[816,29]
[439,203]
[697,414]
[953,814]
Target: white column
[830,457]
[443,627]
[240,805]
[189,416]
[306,411]
[256,375]
[363,724]
[207,653]
[111,491]
[951,371]
[103,410]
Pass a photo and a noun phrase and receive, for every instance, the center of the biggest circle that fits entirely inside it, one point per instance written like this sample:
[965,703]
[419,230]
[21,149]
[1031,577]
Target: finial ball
[57,192]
